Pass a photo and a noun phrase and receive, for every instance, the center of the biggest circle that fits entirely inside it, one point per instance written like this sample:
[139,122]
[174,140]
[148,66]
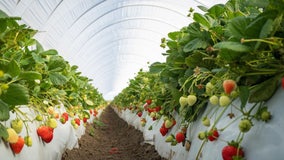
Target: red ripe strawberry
[230,152]
[85,120]
[18,146]
[65,115]
[150,110]
[46,133]
[282,82]
[213,135]
[149,101]
[139,114]
[95,113]
[180,137]
[229,85]
[158,108]
[91,111]
[64,118]
[163,131]
[77,121]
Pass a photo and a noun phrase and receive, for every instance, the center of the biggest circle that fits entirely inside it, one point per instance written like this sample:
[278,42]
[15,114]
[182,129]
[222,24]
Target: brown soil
[115,140]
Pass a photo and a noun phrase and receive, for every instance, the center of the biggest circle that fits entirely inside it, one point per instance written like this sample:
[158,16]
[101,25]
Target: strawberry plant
[40,80]
[232,51]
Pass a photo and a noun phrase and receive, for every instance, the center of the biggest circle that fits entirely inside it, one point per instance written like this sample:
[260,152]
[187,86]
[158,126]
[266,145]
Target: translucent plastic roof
[110,40]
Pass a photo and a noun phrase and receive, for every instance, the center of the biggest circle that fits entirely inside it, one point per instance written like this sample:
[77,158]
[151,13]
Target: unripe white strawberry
[209,88]
[191,100]
[214,100]
[183,101]
[206,121]
[12,135]
[201,135]
[168,123]
[245,125]
[152,114]
[52,123]
[224,101]
[170,138]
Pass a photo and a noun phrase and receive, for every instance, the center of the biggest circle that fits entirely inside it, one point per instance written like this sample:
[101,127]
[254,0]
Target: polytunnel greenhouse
[141,79]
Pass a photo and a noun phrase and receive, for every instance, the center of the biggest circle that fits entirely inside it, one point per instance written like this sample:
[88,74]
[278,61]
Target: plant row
[42,81]
[231,52]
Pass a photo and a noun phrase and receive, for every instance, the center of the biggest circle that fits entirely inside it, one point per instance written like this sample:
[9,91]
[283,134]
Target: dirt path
[115,140]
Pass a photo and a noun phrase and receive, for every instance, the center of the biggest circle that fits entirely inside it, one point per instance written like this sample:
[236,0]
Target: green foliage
[32,75]
[16,94]
[240,40]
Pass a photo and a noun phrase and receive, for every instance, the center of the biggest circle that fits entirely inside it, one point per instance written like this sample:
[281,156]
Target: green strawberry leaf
[38,58]
[263,91]
[16,94]
[14,68]
[232,46]
[56,63]
[174,35]
[157,67]
[57,79]
[3,131]
[203,8]
[3,25]
[231,51]
[39,47]
[4,111]
[194,44]
[237,27]
[3,15]
[202,20]
[217,10]
[30,75]
[49,52]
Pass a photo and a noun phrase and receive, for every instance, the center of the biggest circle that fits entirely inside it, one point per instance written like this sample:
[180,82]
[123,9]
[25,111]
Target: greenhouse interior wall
[109,41]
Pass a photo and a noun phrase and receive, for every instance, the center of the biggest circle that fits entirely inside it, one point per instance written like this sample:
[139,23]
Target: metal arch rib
[87,26]
[124,20]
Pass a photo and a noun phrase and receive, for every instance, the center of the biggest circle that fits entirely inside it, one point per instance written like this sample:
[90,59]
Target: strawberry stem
[200,150]
[222,129]
[219,116]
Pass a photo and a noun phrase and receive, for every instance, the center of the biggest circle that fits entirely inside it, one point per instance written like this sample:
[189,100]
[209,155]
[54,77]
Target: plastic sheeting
[110,40]
[64,137]
[264,141]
